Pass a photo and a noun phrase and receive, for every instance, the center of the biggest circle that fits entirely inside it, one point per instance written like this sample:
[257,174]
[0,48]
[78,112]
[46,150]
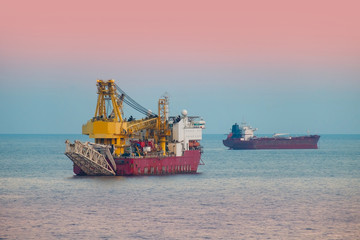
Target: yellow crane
[108,126]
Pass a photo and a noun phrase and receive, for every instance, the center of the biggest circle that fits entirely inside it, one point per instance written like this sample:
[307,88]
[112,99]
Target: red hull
[127,166]
[304,142]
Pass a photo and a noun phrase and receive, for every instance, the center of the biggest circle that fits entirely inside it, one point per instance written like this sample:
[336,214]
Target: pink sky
[184,31]
[298,60]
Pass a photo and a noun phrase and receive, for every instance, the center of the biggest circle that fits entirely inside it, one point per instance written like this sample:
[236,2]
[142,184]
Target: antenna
[166,96]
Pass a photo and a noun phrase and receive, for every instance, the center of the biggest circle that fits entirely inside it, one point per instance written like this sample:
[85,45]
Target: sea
[237,194]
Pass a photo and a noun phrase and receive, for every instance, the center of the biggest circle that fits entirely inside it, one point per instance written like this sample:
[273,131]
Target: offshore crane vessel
[157,144]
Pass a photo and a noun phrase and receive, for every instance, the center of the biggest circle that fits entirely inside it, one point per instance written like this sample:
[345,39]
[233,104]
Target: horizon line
[203,134]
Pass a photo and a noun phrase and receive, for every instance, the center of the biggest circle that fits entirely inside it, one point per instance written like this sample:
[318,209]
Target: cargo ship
[154,145]
[242,137]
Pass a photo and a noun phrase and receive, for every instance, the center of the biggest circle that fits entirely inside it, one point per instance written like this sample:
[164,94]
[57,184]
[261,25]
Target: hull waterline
[304,142]
[161,165]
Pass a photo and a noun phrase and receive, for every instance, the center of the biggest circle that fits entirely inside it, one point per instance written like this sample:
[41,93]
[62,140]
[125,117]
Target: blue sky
[48,99]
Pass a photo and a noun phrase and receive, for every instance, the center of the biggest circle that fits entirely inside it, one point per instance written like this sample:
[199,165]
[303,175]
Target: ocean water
[253,194]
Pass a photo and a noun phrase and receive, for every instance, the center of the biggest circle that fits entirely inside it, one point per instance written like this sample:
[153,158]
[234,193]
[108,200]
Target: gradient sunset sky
[283,66]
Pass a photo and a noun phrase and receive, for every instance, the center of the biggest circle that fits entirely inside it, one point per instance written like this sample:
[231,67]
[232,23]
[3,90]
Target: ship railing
[89,159]
[103,150]
[91,153]
[70,147]
[152,155]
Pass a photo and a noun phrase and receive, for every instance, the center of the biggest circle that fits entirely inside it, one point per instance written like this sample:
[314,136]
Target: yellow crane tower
[162,124]
[109,126]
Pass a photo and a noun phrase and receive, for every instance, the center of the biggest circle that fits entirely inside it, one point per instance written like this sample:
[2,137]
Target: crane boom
[110,126]
[136,126]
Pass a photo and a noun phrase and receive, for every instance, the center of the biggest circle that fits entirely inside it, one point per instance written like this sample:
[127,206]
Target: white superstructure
[246,131]
[186,131]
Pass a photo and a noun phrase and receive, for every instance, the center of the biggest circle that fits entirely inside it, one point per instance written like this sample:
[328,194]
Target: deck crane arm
[136,126]
[112,129]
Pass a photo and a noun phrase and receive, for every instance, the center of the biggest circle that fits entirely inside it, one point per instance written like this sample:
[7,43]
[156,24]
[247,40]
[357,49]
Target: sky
[282,66]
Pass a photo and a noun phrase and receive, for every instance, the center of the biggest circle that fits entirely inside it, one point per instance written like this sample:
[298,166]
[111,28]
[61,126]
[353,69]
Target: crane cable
[132,103]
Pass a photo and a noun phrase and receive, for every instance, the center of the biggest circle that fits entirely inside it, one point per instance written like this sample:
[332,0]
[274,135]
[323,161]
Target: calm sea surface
[263,194]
